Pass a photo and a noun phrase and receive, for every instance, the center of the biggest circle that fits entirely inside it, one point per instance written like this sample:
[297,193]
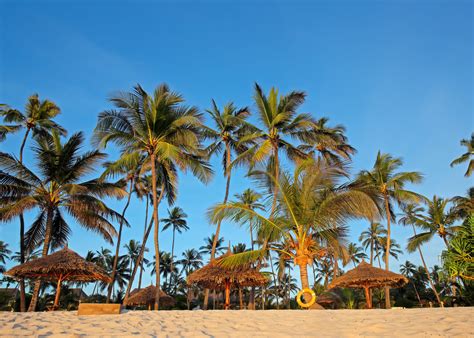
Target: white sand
[448,322]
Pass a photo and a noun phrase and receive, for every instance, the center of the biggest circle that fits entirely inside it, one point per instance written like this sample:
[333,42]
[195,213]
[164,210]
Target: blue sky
[397,74]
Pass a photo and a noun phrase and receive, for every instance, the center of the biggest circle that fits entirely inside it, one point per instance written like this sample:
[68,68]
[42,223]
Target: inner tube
[299,297]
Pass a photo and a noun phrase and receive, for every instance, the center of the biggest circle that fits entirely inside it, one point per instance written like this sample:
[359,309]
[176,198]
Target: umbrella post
[227,295]
[58,293]
[367,297]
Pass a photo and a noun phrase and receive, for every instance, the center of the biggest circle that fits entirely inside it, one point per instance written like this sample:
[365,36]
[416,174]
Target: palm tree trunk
[275,281]
[276,177]
[430,281]
[22,234]
[172,256]
[417,294]
[117,248]
[387,251]
[142,249]
[47,240]
[372,252]
[218,228]
[241,299]
[144,236]
[155,234]
[251,304]
[304,279]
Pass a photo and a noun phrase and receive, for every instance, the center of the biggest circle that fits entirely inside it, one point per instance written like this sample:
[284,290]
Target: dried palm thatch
[63,265]
[214,276]
[217,277]
[366,276]
[147,295]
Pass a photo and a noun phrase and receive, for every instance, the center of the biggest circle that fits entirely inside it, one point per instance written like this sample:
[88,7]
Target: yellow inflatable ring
[300,295]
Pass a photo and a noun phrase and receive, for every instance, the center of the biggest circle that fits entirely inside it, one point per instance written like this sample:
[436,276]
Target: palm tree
[161,128]
[436,221]
[206,249]
[122,272]
[311,204]
[230,127]
[467,156]
[133,251]
[330,142]
[37,119]
[130,168]
[166,268]
[371,238]
[177,221]
[409,270]
[394,250]
[412,213]
[192,260]
[387,185]
[4,255]
[355,253]
[59,190]
[278,116]
[250,199]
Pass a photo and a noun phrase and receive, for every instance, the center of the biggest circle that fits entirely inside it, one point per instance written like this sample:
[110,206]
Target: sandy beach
[450,322]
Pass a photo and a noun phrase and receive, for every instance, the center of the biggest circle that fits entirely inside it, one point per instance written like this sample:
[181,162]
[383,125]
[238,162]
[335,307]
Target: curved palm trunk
[277,177]
[156,231]
[172,256]
[218,228]
[47,240]
[430,280]
[144,238]
[387,252]
[22,234]
[417,294]
[117,248]
[142,249]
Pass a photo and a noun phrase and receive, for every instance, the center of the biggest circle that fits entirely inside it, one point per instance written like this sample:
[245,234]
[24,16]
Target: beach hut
[217,277]
[146,296]
[63,265]
[365,276]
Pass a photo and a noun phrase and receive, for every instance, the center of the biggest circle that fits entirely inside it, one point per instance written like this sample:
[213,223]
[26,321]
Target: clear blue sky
[397,74]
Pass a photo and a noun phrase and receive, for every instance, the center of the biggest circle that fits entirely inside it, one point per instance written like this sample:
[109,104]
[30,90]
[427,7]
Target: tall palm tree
[356,253]
[371,238]
[387,185]
[412,213]
[467,156]
[166,268]
[230,126]
[250,199]
[57,190]
[161,128]
[133,251]
[311,204]
[394,251]
[277,113]
[130,168]
[437,221]
[409,270]
[177,221]
[38,120]
[4,255]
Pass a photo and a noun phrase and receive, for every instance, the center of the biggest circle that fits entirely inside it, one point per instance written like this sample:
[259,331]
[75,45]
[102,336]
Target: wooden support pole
[58,293]
[367,297]
[227,295]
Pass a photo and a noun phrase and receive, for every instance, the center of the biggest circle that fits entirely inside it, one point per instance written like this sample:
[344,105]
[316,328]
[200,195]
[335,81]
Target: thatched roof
[147,296]
[64,263]
[365,275]
[214,276]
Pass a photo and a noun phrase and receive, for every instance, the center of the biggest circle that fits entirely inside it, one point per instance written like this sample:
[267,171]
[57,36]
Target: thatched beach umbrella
[216,277]
[147,296]
[63,265]
[366,276]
